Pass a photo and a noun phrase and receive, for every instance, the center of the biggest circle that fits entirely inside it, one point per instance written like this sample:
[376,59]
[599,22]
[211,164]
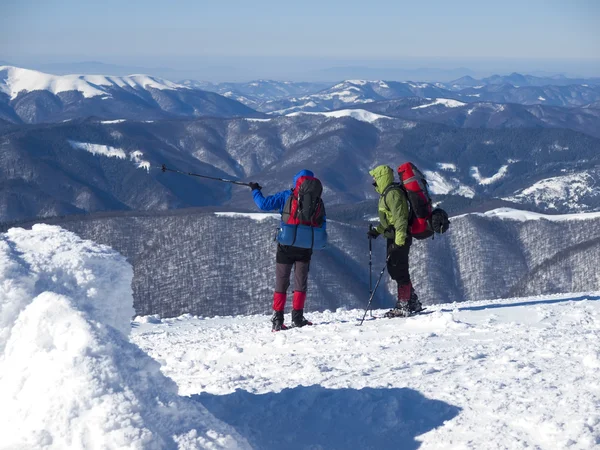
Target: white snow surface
[99,149]
[553,192]
[259,217]
[69,376]
[440,185]
[437,183]
[447,166]
[449,103]
[112,152]
[137,156]
[500,374]
[14,80]
[358,114]
[488,180]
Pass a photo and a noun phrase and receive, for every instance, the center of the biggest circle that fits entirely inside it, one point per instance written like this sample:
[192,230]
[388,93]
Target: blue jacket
[277,201]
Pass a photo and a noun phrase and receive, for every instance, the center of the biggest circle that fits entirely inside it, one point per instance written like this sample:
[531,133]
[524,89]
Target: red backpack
[423,220]
[304,206]
[415,186]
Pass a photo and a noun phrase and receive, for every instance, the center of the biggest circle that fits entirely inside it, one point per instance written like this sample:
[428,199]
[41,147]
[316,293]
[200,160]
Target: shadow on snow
[526,303]
[313,417]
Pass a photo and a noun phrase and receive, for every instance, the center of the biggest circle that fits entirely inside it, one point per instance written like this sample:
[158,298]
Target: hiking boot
[414,305]
[401,310]
[298,319]
[277,320]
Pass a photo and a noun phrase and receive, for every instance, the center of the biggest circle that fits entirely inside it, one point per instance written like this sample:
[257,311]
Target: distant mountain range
[257,92]
[358,92]
[489,115]
[519,80]
[91,165]
[110,134]
[28,96]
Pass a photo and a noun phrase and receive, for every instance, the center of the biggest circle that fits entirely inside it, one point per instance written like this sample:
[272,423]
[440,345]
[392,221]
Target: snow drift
[69,377]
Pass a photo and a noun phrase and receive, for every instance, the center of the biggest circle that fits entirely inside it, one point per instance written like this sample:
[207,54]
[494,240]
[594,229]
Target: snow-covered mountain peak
[358,114]
[14,80]
[447,102]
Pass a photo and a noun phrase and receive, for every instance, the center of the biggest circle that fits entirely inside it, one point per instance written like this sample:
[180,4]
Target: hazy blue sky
[167,33]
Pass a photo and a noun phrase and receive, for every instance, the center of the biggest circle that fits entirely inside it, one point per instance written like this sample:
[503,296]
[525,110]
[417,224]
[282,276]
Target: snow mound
[69,377]
[14,80]
[358,114]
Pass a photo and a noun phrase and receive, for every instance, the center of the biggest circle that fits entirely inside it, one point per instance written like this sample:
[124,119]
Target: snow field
[69,377]
[449,103]
[505,374]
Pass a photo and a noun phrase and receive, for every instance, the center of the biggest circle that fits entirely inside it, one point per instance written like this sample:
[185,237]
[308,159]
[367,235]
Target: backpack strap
[287,207]
[393,186]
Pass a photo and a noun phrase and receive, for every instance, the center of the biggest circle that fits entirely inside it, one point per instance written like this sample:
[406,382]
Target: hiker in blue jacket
[287,257]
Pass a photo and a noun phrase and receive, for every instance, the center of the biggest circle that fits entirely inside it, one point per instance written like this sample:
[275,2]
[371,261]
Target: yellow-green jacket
[396,213]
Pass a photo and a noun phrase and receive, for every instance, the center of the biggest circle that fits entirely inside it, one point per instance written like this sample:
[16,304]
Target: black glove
[254,186]
[372,233]
[392,247]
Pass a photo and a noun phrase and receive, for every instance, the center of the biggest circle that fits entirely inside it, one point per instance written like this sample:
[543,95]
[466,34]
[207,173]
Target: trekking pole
[370,264]
[374,290]
[224,180]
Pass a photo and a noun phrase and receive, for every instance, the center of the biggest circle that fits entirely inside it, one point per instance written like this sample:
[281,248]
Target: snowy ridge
[524,216]
[358,114]
[69,376]
[449,103]
[551,193]
[14,80]
[513,373]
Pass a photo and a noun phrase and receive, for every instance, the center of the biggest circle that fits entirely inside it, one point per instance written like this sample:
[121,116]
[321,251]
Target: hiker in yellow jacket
[394,217]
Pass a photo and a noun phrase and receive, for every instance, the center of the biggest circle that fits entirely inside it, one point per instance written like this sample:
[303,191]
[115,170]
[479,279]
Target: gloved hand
[392,247]
[254,186]
[372,233]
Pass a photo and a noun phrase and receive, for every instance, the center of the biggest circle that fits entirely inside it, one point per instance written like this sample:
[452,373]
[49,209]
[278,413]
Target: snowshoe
[401,310]
[277,321]
[414,305]
[298,319]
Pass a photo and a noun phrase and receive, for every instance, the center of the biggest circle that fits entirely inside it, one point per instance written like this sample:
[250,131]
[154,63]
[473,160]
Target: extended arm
[270,203]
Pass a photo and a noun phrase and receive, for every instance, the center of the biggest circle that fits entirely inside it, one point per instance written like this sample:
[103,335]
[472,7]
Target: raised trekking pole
[224,180]
[370,264]
[374,290]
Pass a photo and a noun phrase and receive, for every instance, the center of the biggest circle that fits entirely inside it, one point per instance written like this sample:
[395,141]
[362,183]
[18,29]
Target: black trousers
[397,265]
[288,257]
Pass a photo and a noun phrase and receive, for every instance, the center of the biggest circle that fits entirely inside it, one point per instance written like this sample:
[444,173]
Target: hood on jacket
[302,173]
[384,176]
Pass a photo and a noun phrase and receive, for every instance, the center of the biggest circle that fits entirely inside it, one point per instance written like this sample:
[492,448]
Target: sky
[267,34]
